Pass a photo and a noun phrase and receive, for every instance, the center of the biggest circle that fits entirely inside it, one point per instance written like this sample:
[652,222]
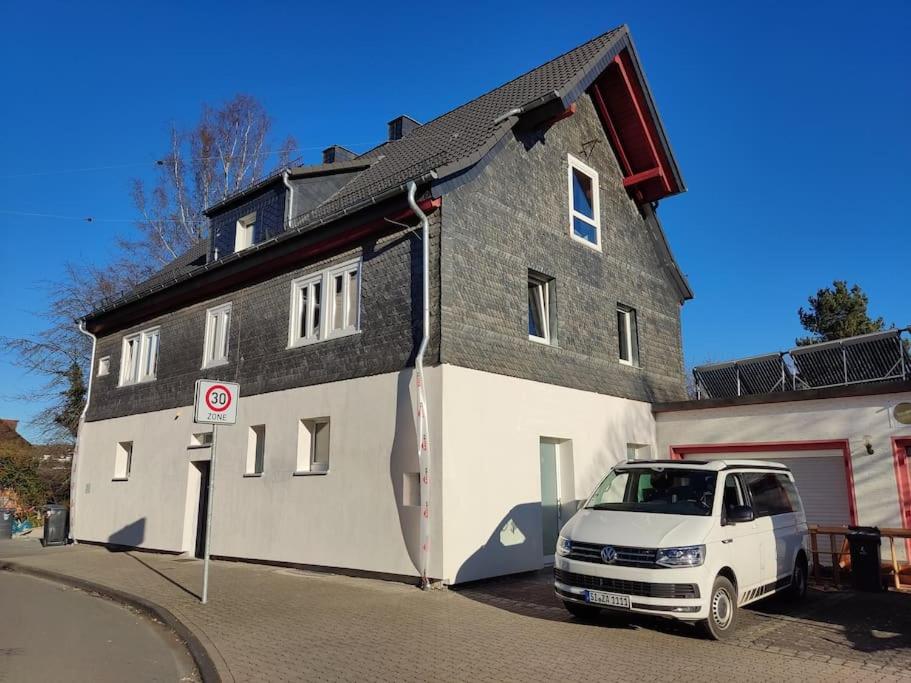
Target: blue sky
[789,121]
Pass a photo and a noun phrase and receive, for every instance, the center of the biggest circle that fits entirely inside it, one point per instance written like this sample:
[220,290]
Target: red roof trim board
[620,100]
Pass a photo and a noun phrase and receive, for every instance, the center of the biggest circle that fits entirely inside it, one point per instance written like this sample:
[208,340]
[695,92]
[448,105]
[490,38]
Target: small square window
[627,335]
[123,460]
[104,366]
[313,445]
[584,203]
[256,449]
[218,328]
[201,440]
[243,236]
[540,308]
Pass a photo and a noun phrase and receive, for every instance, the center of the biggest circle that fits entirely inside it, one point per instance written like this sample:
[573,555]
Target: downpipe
[74,466]
[287,182]
[422,427]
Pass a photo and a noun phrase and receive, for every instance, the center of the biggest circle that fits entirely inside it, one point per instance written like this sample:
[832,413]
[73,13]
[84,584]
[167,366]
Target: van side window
[733,494]
[768,494]
[791,491]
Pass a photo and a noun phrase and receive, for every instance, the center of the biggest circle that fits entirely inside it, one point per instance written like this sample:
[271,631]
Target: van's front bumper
[673,592]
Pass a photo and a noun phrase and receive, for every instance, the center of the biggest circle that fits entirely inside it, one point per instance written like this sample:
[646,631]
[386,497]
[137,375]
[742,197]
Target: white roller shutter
[820,478]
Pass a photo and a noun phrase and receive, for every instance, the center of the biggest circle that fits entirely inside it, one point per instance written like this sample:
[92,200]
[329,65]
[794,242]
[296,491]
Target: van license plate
[607,599]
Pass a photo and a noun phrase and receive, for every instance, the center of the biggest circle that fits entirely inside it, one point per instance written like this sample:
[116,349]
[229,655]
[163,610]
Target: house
[552,325]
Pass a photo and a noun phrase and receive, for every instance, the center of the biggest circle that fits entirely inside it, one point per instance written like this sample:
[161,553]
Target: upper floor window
[139,357]
[325,304]
[540,309]
[243,237]
[627,335]
[218,325]
[584,204]
[104,366]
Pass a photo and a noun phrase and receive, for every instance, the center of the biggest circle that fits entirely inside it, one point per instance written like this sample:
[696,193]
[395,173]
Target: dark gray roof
[186,263]
[450,143]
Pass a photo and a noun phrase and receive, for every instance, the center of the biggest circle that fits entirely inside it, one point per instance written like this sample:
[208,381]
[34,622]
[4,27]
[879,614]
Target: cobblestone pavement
[268,623]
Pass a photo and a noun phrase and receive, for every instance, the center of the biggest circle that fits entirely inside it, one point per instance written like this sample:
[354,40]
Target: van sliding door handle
[727,540]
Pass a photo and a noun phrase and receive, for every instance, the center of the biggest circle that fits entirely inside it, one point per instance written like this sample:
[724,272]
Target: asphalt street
[50,632]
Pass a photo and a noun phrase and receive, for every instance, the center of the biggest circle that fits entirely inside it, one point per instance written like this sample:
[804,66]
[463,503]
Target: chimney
[400,127]
[337,153]
[12,424]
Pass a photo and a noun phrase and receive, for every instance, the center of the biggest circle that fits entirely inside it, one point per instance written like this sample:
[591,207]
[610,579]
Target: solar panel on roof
[748,376]
[865,358]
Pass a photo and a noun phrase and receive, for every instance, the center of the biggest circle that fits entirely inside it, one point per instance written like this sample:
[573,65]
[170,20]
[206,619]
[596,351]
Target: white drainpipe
[74,465]
[290,197]
[423,429]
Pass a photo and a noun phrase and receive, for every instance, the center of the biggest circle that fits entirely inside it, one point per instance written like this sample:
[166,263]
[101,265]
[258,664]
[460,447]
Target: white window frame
[326,279]
[137,370]
[632,340]
[216,343]
[243,232]
[256,445]
[123,460]
[575,164]
[543,292]
[104,366]
[306,446]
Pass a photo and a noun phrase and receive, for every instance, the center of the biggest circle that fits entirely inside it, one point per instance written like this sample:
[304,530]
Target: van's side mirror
[739,514]
[580,504]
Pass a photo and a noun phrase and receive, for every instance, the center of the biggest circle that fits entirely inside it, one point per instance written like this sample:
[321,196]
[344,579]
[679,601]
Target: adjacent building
[554,325]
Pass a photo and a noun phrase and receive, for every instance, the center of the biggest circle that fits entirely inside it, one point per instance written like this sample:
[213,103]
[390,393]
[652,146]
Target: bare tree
[225,151]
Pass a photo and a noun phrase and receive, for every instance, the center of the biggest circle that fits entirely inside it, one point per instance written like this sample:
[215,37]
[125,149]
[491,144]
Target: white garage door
[820,477]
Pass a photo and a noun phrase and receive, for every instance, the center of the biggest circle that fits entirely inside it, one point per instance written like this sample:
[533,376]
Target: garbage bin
[55,518]
[864,542]
[7,517]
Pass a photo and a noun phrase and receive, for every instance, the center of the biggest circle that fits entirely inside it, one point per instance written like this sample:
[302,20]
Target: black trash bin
[7,517]
[55,519]
[864,542]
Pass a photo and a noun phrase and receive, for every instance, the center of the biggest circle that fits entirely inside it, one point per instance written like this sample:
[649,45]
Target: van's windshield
[669,491]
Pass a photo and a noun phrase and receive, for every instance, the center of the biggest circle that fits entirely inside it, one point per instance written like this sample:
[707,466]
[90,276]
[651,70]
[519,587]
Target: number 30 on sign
[216,402]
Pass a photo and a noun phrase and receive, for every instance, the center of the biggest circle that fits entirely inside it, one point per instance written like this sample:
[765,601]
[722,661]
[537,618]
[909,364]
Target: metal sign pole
[205,570]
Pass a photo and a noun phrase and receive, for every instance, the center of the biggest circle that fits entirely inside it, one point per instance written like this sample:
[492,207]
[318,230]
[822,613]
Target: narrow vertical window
[627,335]
[256,450]
[584,203]
[104,366]
[218,328]
[243,237]
[540,308]
[344,283]
[123,459]
[313,446]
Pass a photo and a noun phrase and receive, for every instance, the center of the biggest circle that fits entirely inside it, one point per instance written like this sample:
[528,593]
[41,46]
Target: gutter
[74,465]
[423,427]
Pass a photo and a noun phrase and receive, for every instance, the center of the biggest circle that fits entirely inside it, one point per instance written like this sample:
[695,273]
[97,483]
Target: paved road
[50,632]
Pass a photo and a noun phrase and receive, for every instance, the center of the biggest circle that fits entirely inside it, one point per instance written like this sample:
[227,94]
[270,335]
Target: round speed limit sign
[216,402]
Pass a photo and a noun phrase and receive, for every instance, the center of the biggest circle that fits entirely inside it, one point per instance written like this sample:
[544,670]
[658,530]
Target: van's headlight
[564,546]
[687,556]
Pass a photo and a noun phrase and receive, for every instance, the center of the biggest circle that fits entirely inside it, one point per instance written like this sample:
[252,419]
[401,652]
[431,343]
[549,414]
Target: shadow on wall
[514,546]
[404,464]
[130,536]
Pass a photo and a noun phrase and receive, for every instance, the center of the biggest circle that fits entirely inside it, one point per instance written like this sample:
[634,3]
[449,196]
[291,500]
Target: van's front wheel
[723,612]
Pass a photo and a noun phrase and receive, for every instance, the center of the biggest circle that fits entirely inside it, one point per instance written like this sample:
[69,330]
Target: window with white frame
[540,308]
[218,326]
[139,357]
[326,304]
[243,235]
[627,335]
[104,366]
[313,445]
[256,450]
[584,203]
[123,459]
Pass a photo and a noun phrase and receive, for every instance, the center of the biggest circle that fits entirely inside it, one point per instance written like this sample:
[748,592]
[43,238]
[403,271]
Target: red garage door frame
[681,451]
[900,446]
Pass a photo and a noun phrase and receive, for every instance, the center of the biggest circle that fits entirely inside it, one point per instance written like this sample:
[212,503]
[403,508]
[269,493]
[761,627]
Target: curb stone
[204,663]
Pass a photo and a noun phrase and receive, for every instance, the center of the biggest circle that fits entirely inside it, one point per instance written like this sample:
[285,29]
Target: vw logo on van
[608,554]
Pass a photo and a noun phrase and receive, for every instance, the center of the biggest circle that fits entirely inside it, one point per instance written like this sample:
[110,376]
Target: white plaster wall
[351,517]
[492,425]
[851,418]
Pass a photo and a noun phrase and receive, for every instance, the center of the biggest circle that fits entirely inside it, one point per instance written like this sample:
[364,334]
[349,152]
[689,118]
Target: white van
[687,539]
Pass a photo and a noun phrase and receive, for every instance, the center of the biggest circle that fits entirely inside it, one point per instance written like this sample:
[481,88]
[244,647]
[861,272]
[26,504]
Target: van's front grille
[643,588]
[625,557]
